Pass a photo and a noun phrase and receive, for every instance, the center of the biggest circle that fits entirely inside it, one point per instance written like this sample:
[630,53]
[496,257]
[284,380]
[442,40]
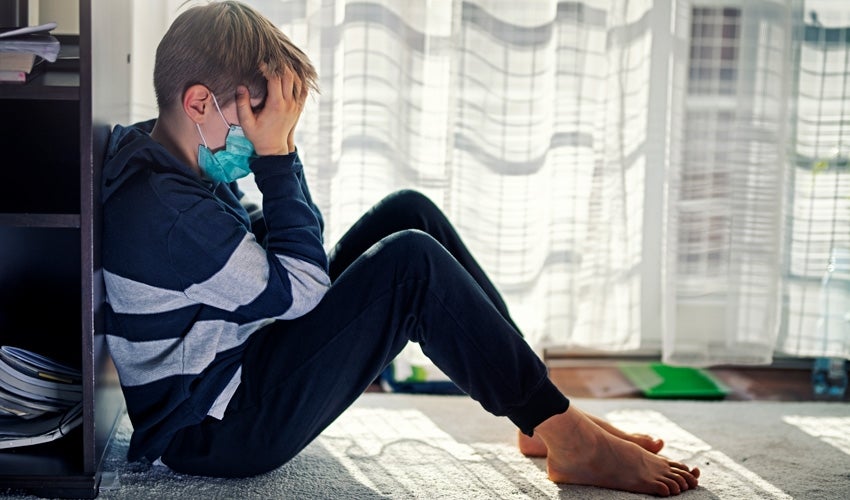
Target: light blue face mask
[233,161]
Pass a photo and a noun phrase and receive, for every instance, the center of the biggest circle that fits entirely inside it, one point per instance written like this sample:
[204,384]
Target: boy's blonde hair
[222,45]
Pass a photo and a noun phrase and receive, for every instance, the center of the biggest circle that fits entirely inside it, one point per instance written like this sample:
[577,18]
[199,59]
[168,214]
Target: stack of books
[40,399]
[24,50]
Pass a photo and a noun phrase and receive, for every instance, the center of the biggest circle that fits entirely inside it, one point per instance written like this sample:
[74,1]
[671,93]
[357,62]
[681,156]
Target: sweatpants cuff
[546,401]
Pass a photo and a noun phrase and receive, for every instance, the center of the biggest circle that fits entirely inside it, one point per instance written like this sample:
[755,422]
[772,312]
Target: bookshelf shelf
[52,85]
[57,126]
[40,220]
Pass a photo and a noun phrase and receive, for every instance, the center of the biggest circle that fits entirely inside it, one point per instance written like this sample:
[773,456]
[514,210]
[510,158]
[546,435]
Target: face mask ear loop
[217,107]
[202,135]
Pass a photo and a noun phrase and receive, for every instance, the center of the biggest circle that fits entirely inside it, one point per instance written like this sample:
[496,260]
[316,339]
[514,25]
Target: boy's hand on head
[271,129]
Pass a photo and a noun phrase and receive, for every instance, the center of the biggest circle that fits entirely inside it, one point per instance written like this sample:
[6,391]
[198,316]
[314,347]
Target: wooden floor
[773,384]
[604,380]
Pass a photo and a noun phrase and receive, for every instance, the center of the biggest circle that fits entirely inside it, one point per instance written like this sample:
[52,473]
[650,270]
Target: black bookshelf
[54,131]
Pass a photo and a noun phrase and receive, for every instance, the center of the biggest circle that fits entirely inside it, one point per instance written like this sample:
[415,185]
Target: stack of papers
[40,399]
[32,40]
[24,50]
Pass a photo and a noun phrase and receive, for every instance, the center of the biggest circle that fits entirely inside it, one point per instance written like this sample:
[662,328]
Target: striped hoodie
[190,275]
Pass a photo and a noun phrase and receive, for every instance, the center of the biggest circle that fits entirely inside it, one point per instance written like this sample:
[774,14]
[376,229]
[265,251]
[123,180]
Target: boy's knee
[410,248]
[412,253]
[410,242]
[411,201]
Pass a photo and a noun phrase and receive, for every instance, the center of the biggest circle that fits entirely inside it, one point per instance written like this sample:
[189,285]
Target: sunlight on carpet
[834,431]
[403,450]
[684,447]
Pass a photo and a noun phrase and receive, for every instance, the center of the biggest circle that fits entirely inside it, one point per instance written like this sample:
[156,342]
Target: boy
[238,340]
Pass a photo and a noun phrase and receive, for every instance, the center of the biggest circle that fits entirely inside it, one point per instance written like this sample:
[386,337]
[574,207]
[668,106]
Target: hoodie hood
[131,151]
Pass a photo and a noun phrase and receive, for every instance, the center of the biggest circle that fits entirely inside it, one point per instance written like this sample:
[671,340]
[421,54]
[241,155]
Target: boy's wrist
[274,164]
[283,153]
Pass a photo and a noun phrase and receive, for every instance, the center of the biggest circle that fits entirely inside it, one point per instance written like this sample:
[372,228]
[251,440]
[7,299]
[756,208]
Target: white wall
[150,20]
[63,12]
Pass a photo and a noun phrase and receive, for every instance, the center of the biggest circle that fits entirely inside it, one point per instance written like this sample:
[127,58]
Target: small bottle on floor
[829,378]
[829,373]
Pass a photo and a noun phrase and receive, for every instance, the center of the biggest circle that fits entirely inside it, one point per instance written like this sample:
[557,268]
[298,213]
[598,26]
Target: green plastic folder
[660,381]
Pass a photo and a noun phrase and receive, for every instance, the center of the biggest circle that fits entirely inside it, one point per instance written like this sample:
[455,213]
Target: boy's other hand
[271,130]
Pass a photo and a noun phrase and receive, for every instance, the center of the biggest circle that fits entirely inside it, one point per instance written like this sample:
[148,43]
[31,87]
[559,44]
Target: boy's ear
[197,103]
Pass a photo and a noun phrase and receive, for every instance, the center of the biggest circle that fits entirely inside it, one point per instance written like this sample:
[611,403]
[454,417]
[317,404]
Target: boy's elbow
[308,287]
[310,298]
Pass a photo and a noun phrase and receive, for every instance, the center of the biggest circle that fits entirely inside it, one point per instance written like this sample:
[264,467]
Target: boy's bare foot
[579,451]
[533,446]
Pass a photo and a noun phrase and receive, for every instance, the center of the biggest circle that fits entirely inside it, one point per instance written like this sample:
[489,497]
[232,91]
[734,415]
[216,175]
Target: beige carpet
[430,447]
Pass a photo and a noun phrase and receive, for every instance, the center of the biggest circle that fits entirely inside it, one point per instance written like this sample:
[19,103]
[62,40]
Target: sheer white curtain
[818,204]
[635,175]
[726,178]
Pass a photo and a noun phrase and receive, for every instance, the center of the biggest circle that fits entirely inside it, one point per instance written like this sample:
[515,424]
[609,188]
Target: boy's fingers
[296,90]
[287,83]
[304,92]
[273,89]
[243,106]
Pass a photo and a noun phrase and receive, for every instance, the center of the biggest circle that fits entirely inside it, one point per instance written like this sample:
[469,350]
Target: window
[713,65]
